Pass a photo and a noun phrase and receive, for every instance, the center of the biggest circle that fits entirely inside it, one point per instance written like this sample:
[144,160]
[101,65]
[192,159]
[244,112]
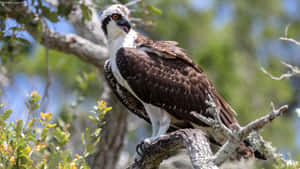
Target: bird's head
[115,21]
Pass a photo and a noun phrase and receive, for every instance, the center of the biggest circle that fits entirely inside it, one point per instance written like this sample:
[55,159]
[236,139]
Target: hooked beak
[124,25]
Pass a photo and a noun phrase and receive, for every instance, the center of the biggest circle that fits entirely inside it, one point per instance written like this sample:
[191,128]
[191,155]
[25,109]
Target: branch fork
[197,145]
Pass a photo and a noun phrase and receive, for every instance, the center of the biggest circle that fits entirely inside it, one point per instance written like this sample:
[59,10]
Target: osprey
[157,81]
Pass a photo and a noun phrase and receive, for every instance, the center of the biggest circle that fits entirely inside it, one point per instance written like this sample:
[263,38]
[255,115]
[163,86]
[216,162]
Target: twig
[12,3]
[132,2]
[285,38]
[236,137]
[261,122]
[293,69]
[293,72]
[46,91]
[116,1]
[290,40]
[286,30]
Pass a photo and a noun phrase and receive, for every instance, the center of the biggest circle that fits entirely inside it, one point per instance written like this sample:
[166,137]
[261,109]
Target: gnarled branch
[197,145]
[69,43]
[193,140]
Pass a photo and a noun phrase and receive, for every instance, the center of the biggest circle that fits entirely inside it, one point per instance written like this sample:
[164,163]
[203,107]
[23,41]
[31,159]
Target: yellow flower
[10,149]
[34,94]
[27,149]
[12,160]
[73,165]
[51,125]
[60,166]
[101,105]
[76,156]
[3,148]
[39,147]
[46,116]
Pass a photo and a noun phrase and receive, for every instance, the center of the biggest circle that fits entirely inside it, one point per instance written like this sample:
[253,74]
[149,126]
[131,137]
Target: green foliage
[86,12]
[289,164]
[11,42]
[24,146]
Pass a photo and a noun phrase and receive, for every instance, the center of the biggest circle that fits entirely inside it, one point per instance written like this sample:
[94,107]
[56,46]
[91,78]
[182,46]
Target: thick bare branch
[69,43]
[192,139]
[157,151]
[12,3]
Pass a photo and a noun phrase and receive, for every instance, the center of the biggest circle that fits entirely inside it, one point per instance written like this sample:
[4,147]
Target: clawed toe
[142,146]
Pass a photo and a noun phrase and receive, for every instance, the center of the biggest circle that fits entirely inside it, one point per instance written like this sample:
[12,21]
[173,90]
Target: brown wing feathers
[166,48]
[130,102]
[160,73]
[171,84]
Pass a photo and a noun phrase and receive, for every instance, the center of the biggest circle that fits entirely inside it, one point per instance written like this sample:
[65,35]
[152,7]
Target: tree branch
[88,29]
[292,72]
[191,139]
[261,122]
[290,40]
[69,43]
[198,146]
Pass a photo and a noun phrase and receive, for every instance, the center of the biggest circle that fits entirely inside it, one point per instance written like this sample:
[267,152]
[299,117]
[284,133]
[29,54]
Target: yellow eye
[115,16]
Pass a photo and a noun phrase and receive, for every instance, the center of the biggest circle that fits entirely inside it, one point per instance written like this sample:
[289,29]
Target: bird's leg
[160,121]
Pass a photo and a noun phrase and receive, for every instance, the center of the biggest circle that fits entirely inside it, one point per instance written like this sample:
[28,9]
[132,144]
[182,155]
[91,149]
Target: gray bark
[193,140]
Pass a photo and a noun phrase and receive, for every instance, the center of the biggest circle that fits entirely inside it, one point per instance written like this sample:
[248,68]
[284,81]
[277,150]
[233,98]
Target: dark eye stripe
[104,24]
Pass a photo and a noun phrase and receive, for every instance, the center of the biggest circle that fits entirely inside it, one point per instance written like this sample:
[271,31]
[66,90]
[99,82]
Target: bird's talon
[141,148]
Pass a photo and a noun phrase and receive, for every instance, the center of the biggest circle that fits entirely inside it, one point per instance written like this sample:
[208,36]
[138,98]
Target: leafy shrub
[24,146]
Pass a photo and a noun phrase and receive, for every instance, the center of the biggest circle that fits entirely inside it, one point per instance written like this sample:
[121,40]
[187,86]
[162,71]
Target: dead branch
[197,145]
[290,40]
[68,43]
[293,71]
[191,139]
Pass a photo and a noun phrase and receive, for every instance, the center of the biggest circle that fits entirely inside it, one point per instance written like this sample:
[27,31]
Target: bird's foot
[141,148]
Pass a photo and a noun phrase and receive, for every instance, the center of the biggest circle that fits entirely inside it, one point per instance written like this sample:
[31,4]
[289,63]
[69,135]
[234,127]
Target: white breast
[114,46]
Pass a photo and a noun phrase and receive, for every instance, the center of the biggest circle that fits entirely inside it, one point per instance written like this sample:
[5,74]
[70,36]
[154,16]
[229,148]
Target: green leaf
[155,10]
[60,137]
[97,132]
[24,41]
[54,160]
[64,9]
[45,132]
[83,139]
[6,114]
[19,127]
[93,119]
[31,122]
[52,16]
[86,12]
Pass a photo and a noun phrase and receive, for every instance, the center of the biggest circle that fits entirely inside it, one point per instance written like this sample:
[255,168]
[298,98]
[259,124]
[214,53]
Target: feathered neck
[124,40]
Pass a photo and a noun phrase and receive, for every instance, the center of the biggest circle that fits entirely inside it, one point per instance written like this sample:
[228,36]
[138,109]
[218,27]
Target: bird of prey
[157,81]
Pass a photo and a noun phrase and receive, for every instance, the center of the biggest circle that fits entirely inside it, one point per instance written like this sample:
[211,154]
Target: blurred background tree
[229,39]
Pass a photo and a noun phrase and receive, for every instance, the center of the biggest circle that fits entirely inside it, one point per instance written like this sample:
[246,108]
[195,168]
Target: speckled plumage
[172,82]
